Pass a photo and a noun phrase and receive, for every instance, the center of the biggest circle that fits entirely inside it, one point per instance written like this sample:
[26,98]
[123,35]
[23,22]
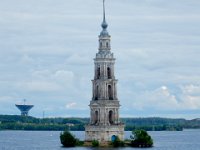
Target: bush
[79,143]
[140,138]
[95,143]
[67,139]
[117,142]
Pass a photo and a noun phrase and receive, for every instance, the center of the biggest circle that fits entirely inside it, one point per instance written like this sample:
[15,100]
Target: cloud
[162,99]
[77,59]
[191,102]
[71,105]
[6,99]
[191,96]
[47,50]
[158,99]
[191,89]
[39,86]
[64,76]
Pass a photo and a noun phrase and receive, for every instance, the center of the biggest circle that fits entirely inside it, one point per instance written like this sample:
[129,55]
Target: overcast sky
[47,49]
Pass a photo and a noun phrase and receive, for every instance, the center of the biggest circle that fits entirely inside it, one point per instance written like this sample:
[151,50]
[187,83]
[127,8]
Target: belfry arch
[98,72]
[109,72]
[97,93]
[96,117]
[110,96]
[110,116]
[100,45]
[107,45]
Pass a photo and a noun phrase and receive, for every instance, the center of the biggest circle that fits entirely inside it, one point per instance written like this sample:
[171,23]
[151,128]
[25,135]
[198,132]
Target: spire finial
[104,24]
[104,14]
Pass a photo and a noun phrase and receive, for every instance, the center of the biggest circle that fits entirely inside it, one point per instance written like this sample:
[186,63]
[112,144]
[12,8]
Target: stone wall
[103,133]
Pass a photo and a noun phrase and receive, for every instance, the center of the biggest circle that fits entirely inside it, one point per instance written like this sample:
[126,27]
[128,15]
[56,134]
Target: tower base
[103,133]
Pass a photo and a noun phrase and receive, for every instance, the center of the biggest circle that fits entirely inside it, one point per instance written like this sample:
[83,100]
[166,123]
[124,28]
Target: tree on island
[67,139]
[140,138]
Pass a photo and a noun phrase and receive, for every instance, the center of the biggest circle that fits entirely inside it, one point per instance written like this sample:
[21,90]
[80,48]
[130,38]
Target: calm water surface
[49,140]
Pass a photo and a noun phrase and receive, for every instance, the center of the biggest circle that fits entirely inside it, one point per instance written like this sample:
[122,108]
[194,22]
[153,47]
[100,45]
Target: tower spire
[104,24]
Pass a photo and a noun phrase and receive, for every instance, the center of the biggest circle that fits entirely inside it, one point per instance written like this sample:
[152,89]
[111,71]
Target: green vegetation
[155,127]
[154,124]
[117,142]
[15,122]
[140,138]
[95,143]
[68,140]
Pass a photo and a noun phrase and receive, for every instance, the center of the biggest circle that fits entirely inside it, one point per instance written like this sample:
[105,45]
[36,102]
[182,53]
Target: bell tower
[104,106]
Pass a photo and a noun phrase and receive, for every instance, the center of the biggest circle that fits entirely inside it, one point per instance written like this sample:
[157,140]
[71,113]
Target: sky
[47,49]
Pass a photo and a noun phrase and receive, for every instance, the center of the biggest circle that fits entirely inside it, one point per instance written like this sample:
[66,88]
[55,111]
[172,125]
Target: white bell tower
[104,106]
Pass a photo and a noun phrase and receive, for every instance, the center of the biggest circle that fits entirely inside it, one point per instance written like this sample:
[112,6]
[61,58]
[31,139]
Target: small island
[139,138]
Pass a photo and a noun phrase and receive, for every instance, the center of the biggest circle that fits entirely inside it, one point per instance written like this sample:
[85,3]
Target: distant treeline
[15,122]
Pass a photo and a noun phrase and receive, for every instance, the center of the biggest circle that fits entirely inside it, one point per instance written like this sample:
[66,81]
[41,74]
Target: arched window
[100,45]
[110,92]
[97,93]
[111,117]
[96,117]
[98,73]
[109,73]
[107,45]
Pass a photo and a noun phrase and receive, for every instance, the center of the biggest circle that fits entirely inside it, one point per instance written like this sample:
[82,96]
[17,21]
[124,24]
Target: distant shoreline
[15,122]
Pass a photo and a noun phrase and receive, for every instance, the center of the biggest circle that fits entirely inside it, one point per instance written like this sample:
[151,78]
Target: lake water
[49,140]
